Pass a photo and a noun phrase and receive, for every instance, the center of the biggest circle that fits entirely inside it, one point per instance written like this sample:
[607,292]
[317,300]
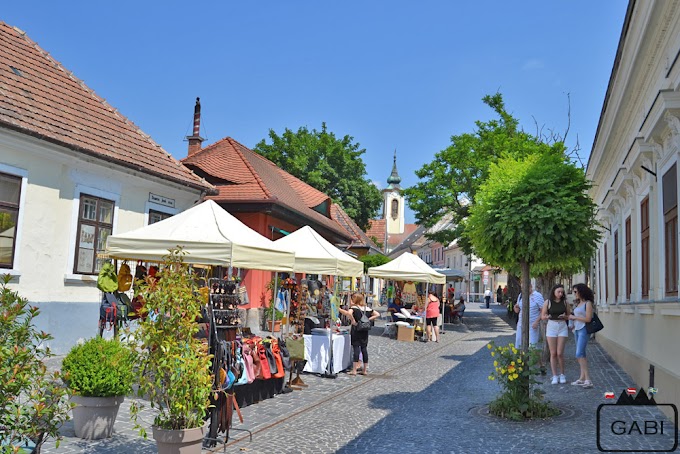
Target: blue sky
[404,75]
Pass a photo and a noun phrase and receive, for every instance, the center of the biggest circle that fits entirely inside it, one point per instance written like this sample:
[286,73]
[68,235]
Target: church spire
[394,179]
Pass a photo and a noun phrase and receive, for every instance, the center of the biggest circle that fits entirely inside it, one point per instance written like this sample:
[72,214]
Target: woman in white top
[583,313]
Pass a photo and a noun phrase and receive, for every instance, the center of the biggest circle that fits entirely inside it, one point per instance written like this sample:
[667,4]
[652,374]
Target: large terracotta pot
[184,441]
[93,417]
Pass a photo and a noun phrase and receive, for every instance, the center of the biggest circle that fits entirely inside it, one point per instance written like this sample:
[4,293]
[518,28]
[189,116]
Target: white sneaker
[554,380]
[563,379]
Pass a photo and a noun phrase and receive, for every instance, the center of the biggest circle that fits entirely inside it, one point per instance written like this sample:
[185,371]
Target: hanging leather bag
[266,373]
[280,371]
[247,354]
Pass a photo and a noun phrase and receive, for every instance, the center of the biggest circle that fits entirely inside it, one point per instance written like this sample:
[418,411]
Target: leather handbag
[595,324]
[280,371]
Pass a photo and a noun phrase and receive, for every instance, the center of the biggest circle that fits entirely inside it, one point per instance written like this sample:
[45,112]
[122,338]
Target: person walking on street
[556,312]
[487,297]
[358,338]
[583,313]
[499,294]
[432,316]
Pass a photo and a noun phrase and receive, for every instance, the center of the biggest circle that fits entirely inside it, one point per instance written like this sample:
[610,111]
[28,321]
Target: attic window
[322,207]
[16,71]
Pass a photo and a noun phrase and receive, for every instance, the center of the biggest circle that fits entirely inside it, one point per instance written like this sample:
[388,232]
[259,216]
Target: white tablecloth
[316,352]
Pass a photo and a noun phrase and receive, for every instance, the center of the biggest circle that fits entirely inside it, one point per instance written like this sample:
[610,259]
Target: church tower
[393,202]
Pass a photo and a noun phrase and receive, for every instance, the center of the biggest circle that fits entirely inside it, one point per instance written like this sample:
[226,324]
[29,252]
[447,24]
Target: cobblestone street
[418,397]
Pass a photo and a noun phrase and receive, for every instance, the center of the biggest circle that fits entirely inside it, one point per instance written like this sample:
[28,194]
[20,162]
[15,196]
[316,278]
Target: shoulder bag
[595,324]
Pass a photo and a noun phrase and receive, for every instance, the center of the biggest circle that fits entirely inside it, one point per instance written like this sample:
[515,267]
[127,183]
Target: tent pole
[274,295]
[442,308]
[329,372]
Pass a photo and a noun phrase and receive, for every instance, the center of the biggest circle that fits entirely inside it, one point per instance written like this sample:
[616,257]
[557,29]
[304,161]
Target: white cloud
[377,184]
[533,64]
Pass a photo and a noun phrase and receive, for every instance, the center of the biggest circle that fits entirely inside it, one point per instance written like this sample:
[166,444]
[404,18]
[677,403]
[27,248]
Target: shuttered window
[644,247]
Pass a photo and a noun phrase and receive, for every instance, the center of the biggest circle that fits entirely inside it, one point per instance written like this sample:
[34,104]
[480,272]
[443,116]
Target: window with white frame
[670,219]
[10,194]
[95,224]
[629,266]
[616,265]
[644,246]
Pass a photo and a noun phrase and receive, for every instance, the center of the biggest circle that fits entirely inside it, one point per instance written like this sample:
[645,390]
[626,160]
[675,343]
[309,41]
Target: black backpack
[363,324]
[108,309]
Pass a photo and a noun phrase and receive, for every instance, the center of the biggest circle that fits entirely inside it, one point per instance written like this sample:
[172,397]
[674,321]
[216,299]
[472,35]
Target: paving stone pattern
[418,397]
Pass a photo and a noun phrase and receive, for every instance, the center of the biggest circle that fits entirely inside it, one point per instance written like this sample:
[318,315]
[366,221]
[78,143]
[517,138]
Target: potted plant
[277,317]
[33,402]
[99,374]
[176,376]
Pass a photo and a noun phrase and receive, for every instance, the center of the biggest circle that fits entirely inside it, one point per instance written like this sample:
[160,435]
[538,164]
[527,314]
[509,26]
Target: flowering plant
[516,373]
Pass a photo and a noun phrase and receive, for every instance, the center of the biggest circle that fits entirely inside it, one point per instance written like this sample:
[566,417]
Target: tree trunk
[514,287]
[545,283]
[526,296]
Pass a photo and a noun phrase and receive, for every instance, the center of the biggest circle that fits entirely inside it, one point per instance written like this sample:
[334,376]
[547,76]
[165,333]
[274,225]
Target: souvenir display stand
[211,236]
[315,255]
[408,267]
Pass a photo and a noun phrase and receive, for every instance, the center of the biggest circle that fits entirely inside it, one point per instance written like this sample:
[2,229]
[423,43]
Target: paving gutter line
[335,395]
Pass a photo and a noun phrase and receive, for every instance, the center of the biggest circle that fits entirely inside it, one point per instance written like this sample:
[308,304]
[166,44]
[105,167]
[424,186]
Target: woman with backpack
[358,314]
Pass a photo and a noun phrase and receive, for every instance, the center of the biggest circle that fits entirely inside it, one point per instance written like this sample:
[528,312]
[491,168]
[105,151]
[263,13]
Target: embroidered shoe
[554,380]
[563,379]
[578,382]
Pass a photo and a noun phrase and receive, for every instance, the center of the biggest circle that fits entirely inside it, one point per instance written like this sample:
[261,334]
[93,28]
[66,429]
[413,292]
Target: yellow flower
[510,378]
[514,351]
[491,377]
[515,375]
[511,369]
[495,363]
[493,353]
[512,363]
[502,371]
[520,369]
[488,346]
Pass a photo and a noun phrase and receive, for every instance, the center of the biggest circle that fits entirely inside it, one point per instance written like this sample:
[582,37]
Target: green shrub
[32,398]
[515,372]
[99,368]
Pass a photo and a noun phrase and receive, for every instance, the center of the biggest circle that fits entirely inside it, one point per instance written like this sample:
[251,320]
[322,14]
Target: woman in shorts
[583,313]
[431,315]
[556,311]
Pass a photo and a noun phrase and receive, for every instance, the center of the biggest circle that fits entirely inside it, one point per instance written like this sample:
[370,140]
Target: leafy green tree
[533,211]
[449,183]
[372,260]
[329,164]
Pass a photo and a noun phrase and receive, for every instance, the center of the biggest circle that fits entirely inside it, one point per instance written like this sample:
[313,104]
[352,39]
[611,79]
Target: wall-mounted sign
[162,200]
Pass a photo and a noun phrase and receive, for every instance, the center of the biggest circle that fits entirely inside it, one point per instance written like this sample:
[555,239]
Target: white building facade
[72,172]
[634,169]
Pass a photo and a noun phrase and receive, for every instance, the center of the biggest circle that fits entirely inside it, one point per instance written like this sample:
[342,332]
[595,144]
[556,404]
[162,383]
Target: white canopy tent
[315,255]
[209,235]
[408,267]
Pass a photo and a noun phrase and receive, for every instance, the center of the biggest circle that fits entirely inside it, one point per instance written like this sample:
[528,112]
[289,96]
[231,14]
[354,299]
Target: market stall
[315,255]
[211,236]
[408,267]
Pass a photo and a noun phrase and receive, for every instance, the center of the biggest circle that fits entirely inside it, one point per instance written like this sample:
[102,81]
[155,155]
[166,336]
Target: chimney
[195,140]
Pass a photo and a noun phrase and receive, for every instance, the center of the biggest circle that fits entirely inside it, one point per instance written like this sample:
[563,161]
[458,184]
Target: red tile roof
[377,229]
[241,175]
[39,97]
[359,238]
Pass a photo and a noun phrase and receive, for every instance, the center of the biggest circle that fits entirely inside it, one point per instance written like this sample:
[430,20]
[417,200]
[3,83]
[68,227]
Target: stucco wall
[43,265]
